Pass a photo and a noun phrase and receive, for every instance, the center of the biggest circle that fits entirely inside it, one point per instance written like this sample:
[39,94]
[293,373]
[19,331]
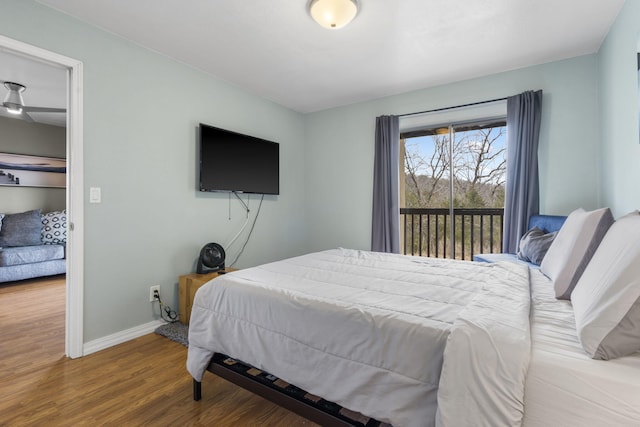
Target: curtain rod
[453,107]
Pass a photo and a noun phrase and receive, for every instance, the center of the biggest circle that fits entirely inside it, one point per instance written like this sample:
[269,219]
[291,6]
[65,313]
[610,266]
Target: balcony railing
[425,231]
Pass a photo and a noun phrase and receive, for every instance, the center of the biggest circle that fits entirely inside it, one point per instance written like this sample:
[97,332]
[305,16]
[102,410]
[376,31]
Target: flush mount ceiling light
[333,14]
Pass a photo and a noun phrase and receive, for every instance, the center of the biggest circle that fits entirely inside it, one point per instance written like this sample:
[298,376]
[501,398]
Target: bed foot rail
[197,390]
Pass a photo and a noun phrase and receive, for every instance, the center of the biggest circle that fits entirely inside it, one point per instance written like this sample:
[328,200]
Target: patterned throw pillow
[54,228]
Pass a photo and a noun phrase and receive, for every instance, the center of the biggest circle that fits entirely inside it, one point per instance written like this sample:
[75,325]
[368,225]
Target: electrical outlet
[152,289]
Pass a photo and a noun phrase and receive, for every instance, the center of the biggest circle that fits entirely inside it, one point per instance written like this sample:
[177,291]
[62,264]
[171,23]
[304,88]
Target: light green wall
[20,137]
[620,149]
[141,111]
[340,146]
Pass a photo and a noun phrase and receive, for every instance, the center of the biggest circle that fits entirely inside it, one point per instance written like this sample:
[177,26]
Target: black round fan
[211,258]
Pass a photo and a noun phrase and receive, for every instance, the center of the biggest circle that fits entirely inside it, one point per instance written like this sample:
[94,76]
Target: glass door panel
[452,194]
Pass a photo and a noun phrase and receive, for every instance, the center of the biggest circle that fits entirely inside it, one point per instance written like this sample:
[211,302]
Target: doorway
[74,286]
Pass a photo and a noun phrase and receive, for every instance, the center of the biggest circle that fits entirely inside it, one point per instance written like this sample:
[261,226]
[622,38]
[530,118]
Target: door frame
[74,307]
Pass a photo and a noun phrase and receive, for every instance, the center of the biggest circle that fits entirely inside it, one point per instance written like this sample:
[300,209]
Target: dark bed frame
[271,393]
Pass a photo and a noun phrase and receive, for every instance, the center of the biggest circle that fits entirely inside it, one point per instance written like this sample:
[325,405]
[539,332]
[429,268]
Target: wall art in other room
[19,170]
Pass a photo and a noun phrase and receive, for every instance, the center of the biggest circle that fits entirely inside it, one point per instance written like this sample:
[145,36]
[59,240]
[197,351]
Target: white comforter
[406,340]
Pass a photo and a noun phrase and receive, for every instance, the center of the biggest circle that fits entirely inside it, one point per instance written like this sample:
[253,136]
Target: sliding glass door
[452,192]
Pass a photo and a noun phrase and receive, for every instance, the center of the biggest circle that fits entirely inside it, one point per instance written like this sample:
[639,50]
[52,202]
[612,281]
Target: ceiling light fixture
[333,14]
[13,102]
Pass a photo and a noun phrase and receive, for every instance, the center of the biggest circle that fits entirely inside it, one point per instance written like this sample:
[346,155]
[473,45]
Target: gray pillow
[606,301]
[573,247]
[21,229]
[534,245]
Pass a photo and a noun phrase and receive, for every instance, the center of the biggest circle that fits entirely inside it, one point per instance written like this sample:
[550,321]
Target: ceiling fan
[14,103]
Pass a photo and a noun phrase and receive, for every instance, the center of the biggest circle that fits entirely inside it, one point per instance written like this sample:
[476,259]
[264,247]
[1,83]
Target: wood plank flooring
[141,382]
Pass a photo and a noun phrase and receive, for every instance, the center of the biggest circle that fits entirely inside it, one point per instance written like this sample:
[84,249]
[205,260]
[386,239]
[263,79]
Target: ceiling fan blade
[44,109]
[23,116]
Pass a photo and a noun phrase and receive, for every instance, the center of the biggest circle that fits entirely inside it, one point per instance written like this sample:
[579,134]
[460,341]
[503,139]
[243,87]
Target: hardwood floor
[141,382]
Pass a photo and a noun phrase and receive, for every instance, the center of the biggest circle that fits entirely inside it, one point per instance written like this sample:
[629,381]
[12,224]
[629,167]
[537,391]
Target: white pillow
[573,248]
[606,301]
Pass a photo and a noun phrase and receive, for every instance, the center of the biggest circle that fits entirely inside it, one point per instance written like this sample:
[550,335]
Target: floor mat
[176,331]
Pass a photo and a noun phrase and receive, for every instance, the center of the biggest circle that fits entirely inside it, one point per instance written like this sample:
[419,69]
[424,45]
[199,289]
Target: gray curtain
[385,233]
[522,195]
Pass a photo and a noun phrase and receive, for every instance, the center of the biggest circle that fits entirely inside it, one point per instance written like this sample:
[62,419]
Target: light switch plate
[95,195]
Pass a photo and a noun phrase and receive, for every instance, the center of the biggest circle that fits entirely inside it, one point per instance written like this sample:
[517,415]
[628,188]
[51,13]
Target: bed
[564,386]
[415,341]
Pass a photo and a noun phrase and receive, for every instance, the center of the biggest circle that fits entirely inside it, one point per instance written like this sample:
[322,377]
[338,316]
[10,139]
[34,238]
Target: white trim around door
[75,188]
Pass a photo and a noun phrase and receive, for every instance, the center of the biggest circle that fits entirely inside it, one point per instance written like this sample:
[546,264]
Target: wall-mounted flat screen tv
[233,162]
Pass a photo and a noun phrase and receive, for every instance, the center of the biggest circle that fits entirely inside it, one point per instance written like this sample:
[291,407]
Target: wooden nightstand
[187,287]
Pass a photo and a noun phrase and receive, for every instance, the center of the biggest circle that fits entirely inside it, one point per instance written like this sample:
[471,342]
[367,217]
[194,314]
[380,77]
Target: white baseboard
[120,337]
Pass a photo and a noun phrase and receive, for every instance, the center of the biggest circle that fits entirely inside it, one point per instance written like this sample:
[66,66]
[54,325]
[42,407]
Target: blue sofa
[32,244]
[27,262]
[547,223]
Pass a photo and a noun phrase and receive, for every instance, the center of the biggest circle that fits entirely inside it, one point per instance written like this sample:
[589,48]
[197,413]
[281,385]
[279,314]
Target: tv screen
[231,161]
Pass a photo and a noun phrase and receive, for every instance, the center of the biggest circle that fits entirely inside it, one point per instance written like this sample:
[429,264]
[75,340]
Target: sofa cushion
[30,254]
[54,228]
[29,271]
[21,229]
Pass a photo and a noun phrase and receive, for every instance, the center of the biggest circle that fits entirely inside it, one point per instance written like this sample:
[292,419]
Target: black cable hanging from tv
[246,205]
[250,232]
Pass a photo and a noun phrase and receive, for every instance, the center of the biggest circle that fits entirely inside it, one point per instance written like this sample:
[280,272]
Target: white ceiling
[273,48]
